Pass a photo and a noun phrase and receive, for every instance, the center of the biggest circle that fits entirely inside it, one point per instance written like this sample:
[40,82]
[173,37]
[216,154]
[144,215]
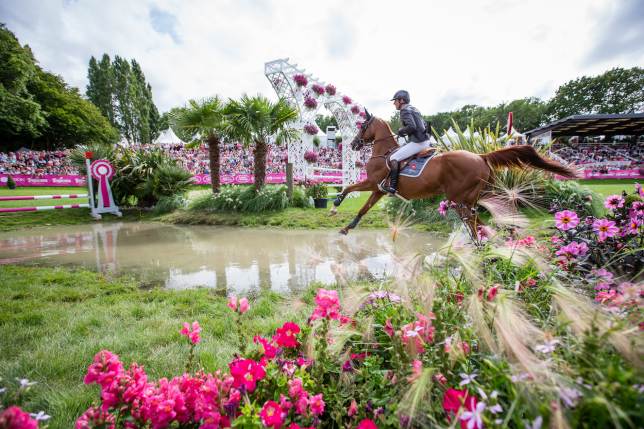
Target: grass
[606,187]
[55,320]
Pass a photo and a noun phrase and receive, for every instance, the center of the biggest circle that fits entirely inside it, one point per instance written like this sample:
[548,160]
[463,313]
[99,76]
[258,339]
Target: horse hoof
[343,232]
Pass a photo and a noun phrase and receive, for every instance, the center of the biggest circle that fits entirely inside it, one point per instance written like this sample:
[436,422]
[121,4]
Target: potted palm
[11,183]
[318,191]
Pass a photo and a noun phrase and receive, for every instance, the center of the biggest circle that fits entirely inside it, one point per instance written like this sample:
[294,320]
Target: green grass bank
[55,320]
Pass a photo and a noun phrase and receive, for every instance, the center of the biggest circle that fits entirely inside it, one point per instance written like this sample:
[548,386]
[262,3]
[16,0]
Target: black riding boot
[393,183]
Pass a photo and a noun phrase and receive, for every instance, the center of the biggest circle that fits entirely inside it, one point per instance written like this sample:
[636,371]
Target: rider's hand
[401,132]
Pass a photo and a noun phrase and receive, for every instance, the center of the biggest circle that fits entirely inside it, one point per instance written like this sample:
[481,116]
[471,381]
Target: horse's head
[365,134]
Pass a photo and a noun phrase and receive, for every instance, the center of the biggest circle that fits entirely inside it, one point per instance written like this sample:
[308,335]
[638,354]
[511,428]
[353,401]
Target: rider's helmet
[401,94]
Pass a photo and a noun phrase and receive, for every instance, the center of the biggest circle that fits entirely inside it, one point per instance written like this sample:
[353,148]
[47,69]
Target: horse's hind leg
[373,199]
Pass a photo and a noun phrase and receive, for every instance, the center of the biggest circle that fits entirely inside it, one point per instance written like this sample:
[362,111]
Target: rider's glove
[401,132]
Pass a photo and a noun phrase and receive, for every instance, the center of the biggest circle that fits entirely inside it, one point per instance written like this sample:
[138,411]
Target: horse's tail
[526,156]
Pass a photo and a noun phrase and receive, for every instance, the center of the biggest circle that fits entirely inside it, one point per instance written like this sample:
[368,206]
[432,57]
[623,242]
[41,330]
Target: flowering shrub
[355,109]
[363,115]
[311,129]
[310,103]
[331,90]
[359,124]
[310,156]
[583,242]
[359,164]
[301,80]
[346,100]
[318,89]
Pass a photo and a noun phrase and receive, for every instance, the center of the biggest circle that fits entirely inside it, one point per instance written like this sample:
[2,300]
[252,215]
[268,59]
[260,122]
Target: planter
[320,203]
[12,186]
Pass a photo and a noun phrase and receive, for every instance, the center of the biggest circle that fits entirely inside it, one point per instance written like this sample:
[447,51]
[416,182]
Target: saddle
[402,164]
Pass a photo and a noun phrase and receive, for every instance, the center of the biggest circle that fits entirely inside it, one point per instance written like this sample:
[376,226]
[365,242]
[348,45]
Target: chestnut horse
[459,174]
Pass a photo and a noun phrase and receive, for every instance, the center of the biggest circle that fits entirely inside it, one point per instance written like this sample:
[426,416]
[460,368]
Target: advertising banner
[611,174]
[44,180]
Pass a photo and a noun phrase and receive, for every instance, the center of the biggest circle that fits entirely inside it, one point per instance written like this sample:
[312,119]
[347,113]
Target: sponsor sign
[57,180]
[613,174]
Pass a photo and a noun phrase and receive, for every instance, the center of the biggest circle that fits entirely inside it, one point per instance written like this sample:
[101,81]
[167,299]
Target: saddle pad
[414,168]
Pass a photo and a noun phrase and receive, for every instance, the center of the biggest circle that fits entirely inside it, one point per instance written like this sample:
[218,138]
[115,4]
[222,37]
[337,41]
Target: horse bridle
[361,140]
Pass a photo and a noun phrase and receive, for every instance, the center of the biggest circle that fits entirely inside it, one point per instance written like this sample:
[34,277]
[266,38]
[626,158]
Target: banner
[611,174]
[44,180]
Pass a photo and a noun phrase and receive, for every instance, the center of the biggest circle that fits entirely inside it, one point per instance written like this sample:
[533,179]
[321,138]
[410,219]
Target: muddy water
[231,260]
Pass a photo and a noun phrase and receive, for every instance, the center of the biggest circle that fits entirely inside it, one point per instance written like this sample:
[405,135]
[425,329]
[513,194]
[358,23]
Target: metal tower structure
[281,76]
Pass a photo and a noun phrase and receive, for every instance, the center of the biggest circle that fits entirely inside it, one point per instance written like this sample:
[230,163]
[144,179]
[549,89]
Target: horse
[459,174]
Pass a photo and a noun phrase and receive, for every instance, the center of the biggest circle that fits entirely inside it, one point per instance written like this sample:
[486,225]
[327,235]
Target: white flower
[536,424]
[4,389]
[482,393]
[467,379]
[580,381]
[473,417]
[24,382]
[494,394]
[496,409]
[548,347]
[40,416]
[498,421]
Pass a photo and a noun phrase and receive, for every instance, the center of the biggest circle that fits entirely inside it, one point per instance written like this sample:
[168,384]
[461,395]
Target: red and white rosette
[102,171]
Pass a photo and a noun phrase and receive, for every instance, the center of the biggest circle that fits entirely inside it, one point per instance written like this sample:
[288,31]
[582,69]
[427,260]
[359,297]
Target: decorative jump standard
[309,94]
[102,171]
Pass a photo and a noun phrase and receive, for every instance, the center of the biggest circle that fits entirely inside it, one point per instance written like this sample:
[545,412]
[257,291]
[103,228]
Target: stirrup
[382,189]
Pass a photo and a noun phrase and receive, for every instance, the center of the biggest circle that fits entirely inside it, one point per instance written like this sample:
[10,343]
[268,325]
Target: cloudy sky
[445,53]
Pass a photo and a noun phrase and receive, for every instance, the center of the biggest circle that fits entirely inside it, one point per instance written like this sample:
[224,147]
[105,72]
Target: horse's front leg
[356,187]
[373,199]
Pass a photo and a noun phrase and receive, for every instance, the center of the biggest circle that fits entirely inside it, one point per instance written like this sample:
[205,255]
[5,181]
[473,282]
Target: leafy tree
[203,118]
[395,122]
[123,96]
[70,119]
[20,114]
[616,91]
[251,120]
[324,121]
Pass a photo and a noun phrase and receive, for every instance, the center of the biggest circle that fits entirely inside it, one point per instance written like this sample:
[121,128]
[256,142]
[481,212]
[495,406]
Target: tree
[616,91]
[70,119]
[324,121]
[205,119]
[123,96]
[20,114]
[251,120]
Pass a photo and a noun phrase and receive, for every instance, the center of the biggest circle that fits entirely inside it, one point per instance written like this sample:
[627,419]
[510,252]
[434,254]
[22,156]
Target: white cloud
[446,54]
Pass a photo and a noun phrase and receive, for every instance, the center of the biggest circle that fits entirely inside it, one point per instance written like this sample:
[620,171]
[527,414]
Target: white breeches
[410,149]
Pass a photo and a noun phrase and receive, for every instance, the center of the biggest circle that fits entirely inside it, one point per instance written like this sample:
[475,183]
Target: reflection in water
[227,259]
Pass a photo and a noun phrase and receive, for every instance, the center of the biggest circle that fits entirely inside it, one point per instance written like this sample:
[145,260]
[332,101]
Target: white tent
[450,133]
[515,135]
[168,137]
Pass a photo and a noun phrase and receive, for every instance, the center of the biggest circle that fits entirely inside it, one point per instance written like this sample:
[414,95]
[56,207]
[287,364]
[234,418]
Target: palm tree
[204,119]
[252,120]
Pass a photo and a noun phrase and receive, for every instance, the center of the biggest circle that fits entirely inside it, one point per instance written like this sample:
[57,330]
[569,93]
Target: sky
[446,53]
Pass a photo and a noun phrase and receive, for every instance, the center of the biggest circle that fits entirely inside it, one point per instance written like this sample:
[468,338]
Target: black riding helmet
[401,94]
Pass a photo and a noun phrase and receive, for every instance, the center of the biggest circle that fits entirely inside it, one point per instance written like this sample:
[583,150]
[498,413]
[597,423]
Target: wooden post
[289,179]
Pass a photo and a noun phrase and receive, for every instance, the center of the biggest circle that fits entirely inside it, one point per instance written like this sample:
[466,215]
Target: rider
[414,127]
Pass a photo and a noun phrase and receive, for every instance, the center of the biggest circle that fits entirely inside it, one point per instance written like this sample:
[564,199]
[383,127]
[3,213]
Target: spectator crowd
[37,163]
[602,157]
[233,159]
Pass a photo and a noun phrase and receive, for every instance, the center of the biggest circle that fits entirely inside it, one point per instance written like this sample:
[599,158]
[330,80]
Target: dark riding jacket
[413,124]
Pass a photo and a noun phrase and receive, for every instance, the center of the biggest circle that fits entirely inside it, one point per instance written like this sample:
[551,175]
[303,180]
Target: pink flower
[265,348]
[444,206]
[246,372]
[15,418]
[452,403]
[389,328]
[211,420]
[243,305]
[296,391]
[604,228]
[91,418]
[284,404]
[233,303]
[632,227]
[566,220]
[271,415]
[613,202]
[326,298]
[193,334]
[639,189]
[602,277]
[106,370]
[317,404]
[286,335]
[367,424]
[300,406]
[353,408]
[416,371]
[494,291]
